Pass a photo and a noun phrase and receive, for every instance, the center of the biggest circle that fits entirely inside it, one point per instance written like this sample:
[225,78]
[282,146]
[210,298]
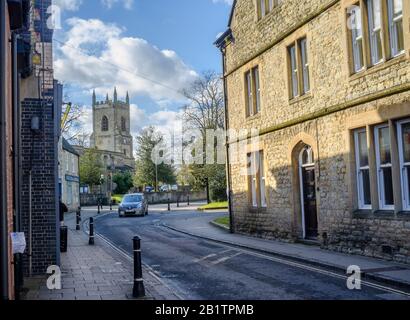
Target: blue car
[133,205]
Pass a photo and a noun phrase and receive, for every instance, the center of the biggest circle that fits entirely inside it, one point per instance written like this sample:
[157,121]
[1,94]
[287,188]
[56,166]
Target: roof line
[231,14]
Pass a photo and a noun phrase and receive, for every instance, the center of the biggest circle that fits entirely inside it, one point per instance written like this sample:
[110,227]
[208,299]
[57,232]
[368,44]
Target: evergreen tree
[146,170]
[90,168]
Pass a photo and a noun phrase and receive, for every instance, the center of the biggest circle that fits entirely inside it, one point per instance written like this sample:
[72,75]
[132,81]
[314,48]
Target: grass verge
[223,221]
[117,198]
[214,206]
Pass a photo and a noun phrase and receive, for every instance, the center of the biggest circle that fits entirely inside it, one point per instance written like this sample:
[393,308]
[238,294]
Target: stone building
[111,131]
[112,141]
[327,84]
[69,175]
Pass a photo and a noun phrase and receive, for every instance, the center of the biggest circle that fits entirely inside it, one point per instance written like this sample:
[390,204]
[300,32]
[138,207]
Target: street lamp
[100,197]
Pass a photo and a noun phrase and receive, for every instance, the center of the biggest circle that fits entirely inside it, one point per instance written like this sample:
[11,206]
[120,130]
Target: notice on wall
[18,242]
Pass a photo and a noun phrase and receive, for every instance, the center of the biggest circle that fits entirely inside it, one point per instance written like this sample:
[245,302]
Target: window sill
[378,67]
[274,10]
[298,99]
[253,117]
[253,209]
[381,214]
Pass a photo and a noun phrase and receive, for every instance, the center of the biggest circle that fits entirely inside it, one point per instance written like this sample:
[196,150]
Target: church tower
[111,127]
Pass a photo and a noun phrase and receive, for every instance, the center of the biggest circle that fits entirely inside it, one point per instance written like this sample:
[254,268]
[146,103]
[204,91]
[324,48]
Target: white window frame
[393,28]
[403,167]
[359,171]
[379,167]
[262,8]
[262,179]
[373,30]
[249,96]
[305,64]
[257,89]
[252,173]
[257,178]
[357,36]
[67,160]
[294,74]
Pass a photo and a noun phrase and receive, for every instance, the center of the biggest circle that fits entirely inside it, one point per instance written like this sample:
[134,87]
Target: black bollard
[177,202]
[91,241]
[78,219]
[138,290]
[169,204]
[111,205]
[188,201]
[99,211]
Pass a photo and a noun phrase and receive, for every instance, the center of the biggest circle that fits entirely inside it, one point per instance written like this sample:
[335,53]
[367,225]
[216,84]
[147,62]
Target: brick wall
[38,153]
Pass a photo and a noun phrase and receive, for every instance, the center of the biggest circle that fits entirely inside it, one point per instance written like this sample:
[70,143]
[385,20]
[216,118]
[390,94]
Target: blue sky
[104,43]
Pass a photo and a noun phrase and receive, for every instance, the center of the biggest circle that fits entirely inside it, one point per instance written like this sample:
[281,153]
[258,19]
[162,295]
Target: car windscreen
[132,199]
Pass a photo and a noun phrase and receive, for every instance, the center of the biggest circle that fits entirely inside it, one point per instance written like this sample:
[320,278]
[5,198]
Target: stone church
[111,135]
[111,132]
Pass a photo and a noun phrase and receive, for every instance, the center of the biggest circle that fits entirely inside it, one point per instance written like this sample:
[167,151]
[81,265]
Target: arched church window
[123,124]
[104,124]
[307,156]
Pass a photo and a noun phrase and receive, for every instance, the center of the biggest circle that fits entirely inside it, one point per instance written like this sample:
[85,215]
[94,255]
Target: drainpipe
[228,167]
[18,269]
[16,134]
[3,157]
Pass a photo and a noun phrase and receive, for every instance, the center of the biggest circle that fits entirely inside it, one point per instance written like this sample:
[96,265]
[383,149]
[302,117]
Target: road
[204,270]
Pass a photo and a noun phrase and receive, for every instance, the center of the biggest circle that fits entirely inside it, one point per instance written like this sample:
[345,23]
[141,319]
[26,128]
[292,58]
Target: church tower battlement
[112,126]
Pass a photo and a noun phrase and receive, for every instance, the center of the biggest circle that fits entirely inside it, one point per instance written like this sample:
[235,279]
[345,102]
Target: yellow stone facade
[339,101]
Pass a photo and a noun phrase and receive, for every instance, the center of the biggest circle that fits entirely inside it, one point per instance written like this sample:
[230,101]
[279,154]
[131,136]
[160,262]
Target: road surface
[200,269]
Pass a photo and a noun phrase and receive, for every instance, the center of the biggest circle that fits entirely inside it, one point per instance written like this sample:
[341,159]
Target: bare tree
[81,139]
[205,109]
[71,121]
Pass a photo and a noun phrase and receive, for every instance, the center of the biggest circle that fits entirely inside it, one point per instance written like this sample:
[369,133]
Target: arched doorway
[307,178]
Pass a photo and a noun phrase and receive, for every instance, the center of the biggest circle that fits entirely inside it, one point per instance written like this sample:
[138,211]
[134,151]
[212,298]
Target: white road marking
[226,259]
[211,256]
[204,258]
[328,273]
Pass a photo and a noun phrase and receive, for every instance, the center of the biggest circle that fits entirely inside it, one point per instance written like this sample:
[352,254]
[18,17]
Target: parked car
[164,188]
[133,205]
[149,189]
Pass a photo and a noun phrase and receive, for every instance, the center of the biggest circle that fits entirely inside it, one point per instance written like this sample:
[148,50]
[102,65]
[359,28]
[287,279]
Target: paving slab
[93,272]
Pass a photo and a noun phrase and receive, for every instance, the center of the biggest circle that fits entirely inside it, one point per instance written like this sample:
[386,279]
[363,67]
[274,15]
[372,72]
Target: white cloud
[95,55]
[69,5]
[224,1]
[127,4]
[74,5]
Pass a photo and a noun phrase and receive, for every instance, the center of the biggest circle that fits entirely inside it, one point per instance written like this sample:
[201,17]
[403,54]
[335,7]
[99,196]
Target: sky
[151,48]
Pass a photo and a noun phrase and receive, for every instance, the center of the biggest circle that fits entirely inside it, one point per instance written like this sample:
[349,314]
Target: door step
[309,242]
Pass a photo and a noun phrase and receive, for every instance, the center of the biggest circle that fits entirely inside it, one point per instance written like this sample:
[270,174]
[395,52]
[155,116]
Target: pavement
[98,272]
[391,273]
